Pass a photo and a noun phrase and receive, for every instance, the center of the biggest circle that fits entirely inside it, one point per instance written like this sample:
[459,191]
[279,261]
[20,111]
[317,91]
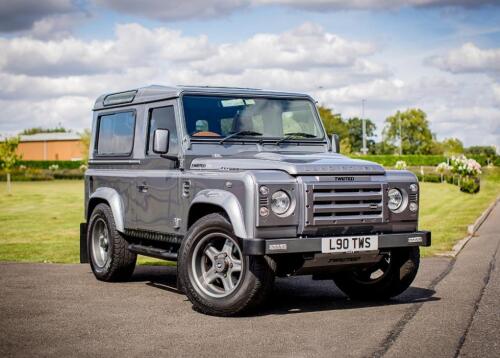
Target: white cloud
[303,47]
[171,10]
[70,111]
[468,59]
[134,45]
[57,81]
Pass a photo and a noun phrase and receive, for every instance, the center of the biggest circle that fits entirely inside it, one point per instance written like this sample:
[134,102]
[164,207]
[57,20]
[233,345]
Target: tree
[85,140]
[488,151]
[9,157]
[355,133]
[413,126]
[333,122]
[383,147]
[452,146]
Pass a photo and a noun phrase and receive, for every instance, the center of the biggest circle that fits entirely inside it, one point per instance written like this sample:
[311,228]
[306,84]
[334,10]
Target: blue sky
[57,56]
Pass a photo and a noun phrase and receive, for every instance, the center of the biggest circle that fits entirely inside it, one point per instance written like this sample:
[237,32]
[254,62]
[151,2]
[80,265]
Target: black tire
[255,280]
[400,271]
[120,262]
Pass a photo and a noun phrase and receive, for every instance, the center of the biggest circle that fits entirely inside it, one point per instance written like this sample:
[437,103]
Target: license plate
[349,243]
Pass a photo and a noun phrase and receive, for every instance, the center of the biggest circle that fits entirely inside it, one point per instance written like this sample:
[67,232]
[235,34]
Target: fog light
[413,207]
[264,190]
[414,188]
[263,211]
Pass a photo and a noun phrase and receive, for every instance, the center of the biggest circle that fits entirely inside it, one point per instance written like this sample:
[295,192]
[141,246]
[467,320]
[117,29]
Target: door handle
[143,188]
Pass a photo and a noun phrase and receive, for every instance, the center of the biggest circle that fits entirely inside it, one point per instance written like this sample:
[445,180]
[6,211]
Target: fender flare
[114,201]
[228,202]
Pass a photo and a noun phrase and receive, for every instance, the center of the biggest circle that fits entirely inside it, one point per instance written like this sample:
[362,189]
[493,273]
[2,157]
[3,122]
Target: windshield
[258,118]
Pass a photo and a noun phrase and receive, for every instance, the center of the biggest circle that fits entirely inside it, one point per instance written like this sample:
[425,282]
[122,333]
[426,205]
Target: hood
[294,163]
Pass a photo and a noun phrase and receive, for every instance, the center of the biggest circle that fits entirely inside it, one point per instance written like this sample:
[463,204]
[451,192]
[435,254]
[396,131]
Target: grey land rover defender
[238,186]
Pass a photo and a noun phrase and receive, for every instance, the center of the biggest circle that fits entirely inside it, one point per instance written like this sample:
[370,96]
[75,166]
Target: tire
[397,271]
[215,276]
[109,256]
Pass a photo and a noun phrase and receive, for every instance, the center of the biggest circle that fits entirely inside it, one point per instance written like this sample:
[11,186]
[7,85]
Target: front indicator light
[413,207]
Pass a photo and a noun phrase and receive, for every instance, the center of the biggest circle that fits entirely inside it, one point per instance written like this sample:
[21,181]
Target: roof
[45,137]
[156,93]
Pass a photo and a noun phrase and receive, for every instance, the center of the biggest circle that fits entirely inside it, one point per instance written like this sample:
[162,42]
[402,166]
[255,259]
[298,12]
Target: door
[158,191]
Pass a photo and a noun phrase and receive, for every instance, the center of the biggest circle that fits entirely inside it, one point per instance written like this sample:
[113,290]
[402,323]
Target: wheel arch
[215,200]
[110,197]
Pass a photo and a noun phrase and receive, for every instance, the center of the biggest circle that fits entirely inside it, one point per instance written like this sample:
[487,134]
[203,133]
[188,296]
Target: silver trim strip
[114,161]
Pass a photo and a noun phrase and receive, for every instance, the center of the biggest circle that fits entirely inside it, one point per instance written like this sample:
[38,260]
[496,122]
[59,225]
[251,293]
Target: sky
[443,56]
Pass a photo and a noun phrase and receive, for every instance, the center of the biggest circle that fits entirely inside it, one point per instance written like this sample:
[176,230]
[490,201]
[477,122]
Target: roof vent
[119,98]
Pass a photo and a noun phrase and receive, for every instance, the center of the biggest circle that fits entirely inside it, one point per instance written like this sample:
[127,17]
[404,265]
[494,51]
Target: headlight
[395,199]
[280,202]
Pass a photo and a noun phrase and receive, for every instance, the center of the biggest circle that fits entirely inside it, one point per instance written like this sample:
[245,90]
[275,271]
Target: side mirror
[335,143]
[161,139]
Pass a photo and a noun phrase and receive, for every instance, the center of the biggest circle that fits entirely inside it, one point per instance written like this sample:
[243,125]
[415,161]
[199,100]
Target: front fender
[114,201]
[229,203]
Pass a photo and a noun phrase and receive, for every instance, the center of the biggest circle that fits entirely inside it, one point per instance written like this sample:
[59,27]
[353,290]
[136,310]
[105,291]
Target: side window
[116,134]
[162,118]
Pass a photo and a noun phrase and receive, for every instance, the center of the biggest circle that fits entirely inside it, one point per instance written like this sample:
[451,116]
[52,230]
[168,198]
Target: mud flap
[84,259]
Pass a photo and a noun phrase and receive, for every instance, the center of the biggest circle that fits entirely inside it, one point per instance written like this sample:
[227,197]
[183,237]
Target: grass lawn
[39,222]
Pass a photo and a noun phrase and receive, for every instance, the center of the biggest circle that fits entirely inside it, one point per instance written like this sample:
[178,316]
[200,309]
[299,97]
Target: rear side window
[116,134]
[162,118]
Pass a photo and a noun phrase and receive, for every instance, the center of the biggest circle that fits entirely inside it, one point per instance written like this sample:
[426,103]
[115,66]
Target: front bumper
[313,245]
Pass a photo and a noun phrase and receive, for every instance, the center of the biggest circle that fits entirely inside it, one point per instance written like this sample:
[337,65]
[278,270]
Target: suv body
[164,158]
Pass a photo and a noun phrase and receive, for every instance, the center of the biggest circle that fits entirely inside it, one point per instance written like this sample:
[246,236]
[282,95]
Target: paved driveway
[61,310]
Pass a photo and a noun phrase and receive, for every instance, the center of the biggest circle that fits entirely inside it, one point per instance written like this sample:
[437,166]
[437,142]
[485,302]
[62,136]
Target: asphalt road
[451,310]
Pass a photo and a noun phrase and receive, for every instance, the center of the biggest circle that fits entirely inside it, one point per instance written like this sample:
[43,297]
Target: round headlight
[395,199]
[280,202]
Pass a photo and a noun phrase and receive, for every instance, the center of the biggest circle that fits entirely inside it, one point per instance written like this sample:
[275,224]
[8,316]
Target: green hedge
[45,164]
[417,160]
[42,174]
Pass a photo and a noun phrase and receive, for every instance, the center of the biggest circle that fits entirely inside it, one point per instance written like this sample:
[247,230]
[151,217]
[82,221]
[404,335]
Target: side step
[153,252]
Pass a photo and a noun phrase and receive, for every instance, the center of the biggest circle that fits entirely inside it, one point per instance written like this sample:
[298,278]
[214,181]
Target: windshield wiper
[235,134]
[289,136]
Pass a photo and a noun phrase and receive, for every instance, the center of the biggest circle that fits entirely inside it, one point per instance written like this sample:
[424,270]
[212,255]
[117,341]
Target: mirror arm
[171,157]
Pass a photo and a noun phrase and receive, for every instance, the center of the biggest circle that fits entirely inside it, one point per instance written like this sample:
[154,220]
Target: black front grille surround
[345,203]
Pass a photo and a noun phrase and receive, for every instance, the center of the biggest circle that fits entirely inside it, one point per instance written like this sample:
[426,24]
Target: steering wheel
[205,134]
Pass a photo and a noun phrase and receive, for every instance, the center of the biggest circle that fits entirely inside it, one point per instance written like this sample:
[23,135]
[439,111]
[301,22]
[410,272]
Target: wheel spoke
[228,248]
[236,266]
[211,252]
[228,283]
[210,276]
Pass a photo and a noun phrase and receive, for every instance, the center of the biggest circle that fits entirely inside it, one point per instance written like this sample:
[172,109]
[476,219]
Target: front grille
[332,203]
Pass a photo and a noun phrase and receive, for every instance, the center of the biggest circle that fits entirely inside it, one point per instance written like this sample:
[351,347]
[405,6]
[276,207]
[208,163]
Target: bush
[28,175]
[390,160]
[69,174]
[42,174]
[45,164]
[429,177]
[470,185]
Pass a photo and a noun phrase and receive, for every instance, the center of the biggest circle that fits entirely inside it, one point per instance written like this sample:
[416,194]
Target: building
[50,146]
